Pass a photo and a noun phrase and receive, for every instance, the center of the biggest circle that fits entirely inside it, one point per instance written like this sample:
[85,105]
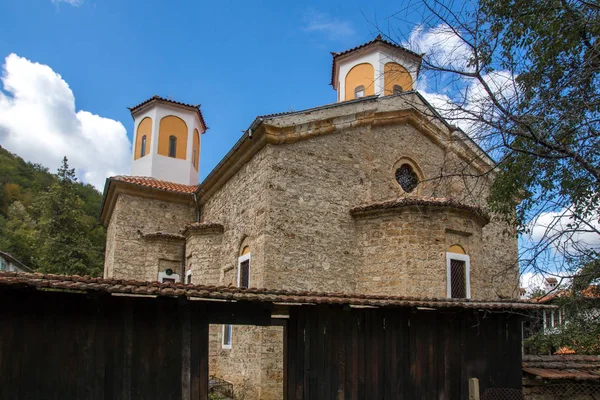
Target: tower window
[227,334]
[397,89]
[143,149]
[172,146]
[194,157]
[407,178]
[359,92]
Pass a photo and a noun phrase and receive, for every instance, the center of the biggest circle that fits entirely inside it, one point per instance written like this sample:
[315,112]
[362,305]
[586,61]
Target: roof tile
[86,283]
[156,184]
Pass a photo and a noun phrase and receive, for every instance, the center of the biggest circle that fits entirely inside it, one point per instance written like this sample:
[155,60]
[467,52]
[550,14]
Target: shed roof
[8,257]
[563,367]
[287,297]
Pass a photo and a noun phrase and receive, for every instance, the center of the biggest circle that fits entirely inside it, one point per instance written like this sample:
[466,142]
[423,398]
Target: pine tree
[64,244]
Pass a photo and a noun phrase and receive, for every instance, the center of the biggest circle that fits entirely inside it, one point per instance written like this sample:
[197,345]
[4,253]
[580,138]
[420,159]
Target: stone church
[373,194]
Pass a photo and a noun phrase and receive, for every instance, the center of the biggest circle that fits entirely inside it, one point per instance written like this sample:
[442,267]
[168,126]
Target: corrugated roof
[145,181]
[193,107]
[290,297]
[378,39]
[563,367]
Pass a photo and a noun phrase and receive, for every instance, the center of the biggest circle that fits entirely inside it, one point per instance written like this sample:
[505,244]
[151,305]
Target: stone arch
[244,246]
[395,74]
[361,74]
[457,249]
[172,126]
[144,129]
[414,167]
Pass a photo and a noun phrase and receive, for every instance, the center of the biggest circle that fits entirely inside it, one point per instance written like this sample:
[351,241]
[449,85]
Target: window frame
[241,259]
[188,275]
[467,261]
[230,329]
[163,275]
[173,140]
[359,88]
[143,149]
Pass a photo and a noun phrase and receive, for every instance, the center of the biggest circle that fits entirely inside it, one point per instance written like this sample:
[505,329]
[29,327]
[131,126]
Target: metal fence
[554,391]
[560,391]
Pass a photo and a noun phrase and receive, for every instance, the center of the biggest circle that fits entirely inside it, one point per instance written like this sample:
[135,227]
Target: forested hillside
[49,221]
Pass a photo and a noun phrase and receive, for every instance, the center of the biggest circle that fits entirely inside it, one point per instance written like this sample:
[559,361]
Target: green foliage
[580,333]
[49,222]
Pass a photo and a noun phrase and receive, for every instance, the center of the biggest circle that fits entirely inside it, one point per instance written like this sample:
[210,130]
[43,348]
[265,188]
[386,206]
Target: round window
[407,178]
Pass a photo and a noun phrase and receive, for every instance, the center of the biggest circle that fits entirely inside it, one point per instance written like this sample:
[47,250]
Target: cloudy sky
[70,69]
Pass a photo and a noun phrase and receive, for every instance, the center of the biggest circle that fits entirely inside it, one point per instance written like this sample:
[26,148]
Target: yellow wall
[171,125]
[144,128]
[395,74]
[361,74]
[457,249]
[196,147]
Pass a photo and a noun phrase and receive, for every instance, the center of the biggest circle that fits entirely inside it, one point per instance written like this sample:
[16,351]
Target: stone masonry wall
[314,184]
[128,254]
[254,364]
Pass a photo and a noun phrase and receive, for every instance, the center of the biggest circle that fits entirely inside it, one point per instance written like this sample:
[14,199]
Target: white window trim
[163,275]
[241,259]
[460,257]
[188,274]
[223,345]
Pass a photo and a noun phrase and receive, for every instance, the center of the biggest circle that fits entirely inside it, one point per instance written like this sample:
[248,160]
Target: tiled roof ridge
[196,107]
[377,39]
[154,183]
[419,201]
[162,234]
[109,285]
[204,225]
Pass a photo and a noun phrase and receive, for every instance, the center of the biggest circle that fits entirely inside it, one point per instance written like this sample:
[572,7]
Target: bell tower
[377,67]
[166,140]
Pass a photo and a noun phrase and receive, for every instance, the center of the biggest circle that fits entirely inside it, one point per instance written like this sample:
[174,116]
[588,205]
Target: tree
[521,78]
[21,242]
[64,245]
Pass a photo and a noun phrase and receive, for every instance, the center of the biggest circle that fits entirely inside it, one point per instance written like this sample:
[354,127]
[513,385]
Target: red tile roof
[563,367]
[419,201]
[291,297]
[378,39]
[591,292]
[155,98]
[156,184]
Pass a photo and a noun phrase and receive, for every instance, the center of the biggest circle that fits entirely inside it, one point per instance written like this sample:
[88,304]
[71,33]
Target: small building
[558,377]
[10,264]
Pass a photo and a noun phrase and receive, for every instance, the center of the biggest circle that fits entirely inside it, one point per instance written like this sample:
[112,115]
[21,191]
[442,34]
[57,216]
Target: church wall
[313,243]
[128,254]
[254,364]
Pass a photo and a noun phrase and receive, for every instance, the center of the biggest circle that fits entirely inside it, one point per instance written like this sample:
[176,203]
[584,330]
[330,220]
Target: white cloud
[75,3]
[332,28]
[559,224]
[441,46]
[39,122]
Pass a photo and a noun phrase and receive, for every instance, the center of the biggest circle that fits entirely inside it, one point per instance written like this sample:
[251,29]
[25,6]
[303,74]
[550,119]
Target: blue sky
[238,59]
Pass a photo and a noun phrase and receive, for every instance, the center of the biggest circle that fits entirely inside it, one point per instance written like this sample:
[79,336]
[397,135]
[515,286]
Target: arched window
[172,146]
[359,92]
[407,178]
[143,149]
[397,89]
[194,157]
